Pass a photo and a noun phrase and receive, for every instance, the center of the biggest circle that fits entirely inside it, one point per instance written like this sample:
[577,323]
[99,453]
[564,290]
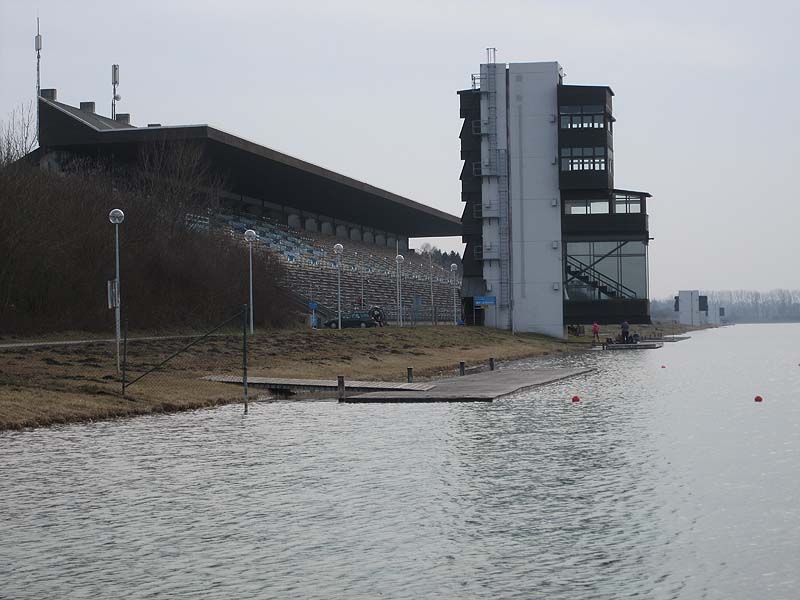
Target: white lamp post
[361,271]
[399,260]
[453,269]
[430,276]
[116,217]
[337,250]
[251,236]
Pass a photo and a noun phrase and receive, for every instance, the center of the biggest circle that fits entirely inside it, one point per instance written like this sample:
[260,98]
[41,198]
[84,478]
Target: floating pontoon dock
[477,387]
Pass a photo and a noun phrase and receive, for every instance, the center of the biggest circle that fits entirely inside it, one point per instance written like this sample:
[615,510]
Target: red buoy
[759,399]
[576,398]
[663,366]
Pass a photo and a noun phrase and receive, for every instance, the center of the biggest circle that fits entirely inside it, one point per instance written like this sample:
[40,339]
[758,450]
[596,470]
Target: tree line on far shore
[742,306]
[439,257]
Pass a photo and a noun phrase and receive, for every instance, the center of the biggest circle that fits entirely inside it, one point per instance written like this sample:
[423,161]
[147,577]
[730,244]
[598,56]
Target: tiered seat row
[312,271]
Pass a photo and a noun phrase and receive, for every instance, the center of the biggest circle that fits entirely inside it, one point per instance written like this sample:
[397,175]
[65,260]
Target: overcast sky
[705,95]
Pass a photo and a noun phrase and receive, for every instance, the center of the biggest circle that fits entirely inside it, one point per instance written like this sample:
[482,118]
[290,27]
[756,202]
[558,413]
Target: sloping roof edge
[143,134]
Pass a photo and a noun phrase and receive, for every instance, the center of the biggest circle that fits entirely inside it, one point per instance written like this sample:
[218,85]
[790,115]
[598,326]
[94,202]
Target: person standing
[625,331]
[595,333]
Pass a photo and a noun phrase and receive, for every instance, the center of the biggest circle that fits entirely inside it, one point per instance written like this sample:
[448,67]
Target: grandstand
[368,272]
[299,210]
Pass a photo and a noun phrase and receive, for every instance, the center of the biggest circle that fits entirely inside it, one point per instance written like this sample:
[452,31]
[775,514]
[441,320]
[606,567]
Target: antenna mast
[114,84]
[38,45]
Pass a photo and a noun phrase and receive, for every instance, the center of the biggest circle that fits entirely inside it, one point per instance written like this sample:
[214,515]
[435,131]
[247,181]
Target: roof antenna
[38,44]
[116,97]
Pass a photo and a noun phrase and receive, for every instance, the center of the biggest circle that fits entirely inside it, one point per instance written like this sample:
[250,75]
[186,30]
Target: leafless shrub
[17,134]
[57,250]
[172,180]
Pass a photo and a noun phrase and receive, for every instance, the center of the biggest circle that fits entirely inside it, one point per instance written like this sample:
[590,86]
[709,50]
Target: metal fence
[202,368]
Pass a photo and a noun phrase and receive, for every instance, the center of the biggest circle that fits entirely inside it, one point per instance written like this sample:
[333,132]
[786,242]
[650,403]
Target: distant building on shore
[693,309]
[550,240]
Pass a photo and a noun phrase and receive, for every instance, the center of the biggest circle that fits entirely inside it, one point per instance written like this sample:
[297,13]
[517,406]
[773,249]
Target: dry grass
[43,386]
[58,384]
[384,354]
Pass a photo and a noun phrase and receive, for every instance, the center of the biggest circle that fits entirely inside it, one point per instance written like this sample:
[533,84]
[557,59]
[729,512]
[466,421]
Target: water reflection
[661,483]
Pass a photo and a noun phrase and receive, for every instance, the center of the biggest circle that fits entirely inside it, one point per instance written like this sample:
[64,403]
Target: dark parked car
[360,318]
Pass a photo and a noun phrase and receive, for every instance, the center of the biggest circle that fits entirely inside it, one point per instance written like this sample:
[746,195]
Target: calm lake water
[662,483]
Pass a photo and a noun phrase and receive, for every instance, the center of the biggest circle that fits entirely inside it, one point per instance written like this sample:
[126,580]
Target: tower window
[583,159]
[627,203]
[586,206]
[582,117]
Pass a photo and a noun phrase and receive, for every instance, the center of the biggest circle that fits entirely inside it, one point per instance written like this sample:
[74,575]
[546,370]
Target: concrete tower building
[549,240]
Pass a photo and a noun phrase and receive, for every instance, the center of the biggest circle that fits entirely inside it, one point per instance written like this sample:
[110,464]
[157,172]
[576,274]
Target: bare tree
[173,179]
[176,275]
[17,134]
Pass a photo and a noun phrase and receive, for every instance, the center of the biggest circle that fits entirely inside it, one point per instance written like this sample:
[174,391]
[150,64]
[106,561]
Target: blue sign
[485,301]
[313,306]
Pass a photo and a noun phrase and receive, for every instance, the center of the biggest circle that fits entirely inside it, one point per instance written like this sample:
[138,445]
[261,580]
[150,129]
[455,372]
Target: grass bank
[59,384]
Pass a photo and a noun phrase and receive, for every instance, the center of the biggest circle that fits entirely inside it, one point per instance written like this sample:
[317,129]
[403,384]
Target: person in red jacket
[595,333]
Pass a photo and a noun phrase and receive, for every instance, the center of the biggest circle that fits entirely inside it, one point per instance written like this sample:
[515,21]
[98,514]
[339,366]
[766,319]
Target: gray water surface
[661,483]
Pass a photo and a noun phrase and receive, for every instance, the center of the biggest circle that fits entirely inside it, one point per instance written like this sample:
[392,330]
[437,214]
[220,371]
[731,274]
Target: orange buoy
[759,399]
[576,398]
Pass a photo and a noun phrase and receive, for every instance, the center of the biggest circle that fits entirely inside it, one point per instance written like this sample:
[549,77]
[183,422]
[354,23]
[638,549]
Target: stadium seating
[312,270]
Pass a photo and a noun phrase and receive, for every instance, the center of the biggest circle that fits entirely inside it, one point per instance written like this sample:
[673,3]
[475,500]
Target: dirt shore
[46,385]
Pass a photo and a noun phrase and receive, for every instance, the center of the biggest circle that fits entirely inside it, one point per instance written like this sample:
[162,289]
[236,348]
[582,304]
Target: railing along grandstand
[312,269]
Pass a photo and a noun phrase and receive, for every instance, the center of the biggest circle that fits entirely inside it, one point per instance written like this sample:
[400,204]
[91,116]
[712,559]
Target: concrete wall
[713,313]
[536,247]
[294,221]
[689,307]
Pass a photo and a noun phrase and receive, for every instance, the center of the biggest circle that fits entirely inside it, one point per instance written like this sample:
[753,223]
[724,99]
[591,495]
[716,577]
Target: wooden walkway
[479,387]
[314,385]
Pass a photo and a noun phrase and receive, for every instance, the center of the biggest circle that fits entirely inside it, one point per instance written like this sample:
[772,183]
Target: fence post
[244,354]
[410,374]
[461,368]
[340,386]
[491,364]
[124,354]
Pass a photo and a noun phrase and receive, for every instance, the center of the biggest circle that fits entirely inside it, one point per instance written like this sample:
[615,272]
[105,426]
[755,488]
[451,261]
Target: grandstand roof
[249,169]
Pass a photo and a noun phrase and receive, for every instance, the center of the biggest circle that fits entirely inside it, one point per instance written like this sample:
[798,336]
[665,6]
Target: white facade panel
[689,308]
[536,246]
[713,313]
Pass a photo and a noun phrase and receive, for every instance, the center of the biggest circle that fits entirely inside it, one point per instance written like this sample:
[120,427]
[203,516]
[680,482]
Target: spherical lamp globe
[116,216]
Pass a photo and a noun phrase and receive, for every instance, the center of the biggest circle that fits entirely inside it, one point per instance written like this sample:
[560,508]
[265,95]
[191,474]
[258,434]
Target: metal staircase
[577,270]
[495,164]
